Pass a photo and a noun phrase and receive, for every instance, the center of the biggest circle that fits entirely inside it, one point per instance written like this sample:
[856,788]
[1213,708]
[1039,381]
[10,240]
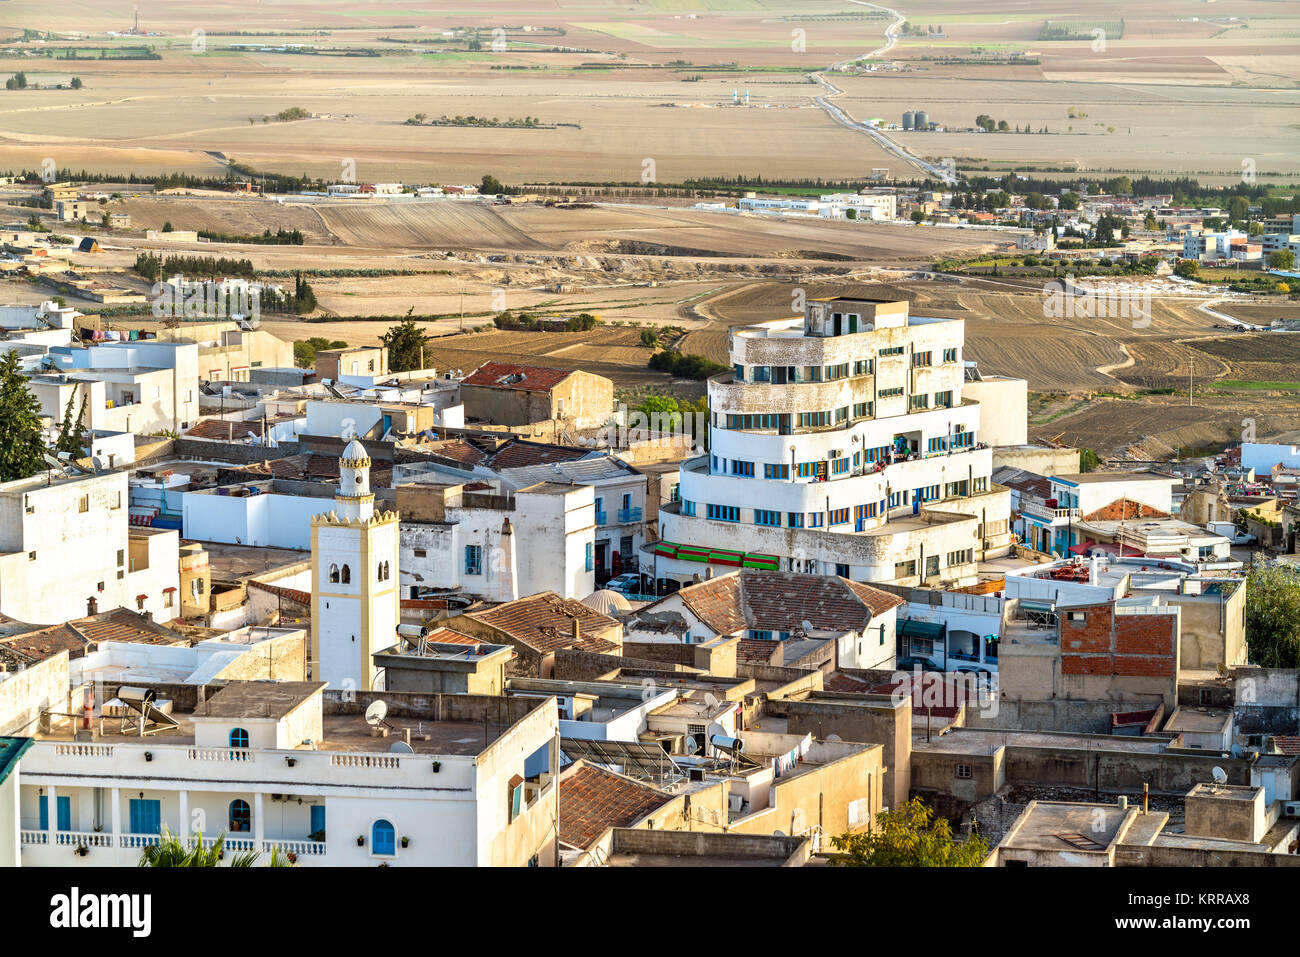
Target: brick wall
[1103,643]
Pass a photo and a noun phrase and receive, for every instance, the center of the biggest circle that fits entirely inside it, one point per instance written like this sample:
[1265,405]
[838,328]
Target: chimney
[708,572]
[1146,796]
[506,528]
[406,736]
[1123,803]
[92,606]
[577,630]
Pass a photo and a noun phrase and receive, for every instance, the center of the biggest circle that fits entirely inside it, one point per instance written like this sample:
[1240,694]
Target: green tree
[167,227]
[1069,200]
[76,83]
[491,186]
[1088,460]
[1273,615]
[1187,269]
[21,441]
[72,430]
[1283,259]
[405,343]
[911,836]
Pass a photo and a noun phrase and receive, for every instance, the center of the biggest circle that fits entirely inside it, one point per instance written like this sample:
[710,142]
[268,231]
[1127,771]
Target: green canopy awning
[907,628]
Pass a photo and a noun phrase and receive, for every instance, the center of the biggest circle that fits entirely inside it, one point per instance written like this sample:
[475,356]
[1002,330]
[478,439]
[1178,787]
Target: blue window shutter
[45,813]
[384,838]
[65,813]
[317,818]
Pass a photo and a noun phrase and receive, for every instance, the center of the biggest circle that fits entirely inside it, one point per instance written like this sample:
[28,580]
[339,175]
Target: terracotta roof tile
[756,649]
[295,595]
[545,622]
[592,800]
[504,375]
[783,601]
[520,453]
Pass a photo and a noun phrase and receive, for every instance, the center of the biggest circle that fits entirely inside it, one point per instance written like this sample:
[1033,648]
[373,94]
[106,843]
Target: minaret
[355,607]
[354,496]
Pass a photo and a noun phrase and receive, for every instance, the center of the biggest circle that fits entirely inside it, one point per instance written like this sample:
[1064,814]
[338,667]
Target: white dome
[607,602]
[355,451]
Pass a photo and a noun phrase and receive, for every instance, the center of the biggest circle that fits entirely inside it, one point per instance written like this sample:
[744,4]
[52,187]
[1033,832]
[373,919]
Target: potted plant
[293,858]
[317,836]
[437,766]
[361,841]
[406,841]
[81,850]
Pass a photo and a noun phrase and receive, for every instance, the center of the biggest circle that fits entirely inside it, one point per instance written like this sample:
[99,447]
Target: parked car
[974,670]
[912,662]
[629,584]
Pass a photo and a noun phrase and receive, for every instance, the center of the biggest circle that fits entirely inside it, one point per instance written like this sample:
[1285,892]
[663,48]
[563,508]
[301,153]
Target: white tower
[355,599]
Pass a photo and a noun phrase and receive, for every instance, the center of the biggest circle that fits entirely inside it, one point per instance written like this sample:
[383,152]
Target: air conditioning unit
[1291,808]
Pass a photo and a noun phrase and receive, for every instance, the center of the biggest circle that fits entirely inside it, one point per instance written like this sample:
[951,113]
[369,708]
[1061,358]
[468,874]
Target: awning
[717,556]
[909,628]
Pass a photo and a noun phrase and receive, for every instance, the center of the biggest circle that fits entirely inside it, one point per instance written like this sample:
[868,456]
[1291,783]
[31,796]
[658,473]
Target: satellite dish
[692,746]
[716,730]
[778,833]
[711,701]
[833,737]
[401,747]
[52,462]
[376,713]
[1220,776]
[99,466]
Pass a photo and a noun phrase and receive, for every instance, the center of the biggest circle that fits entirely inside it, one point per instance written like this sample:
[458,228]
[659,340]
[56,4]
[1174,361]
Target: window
[317,822]
[724,513]
[745,469]
[890,393]
[167,599]
[815,519]
[949,355]
[474,560]
[840,467]
[762,373]
[334,573]
[963,771]
[863,367]
[892,351]
[980,485]
[31,557]
[117,496]
[764,516]
[840,371]
[29,507]
[740,372]
[841,570]
[238,738]
[139,602]
[383,838]
[920,402]
[838,516]
[420,553]
[943,400]
[121,556]
[963,557]
[589,557]
[688,507]
[346,575]
[921,359]
[862,410]
[905,569]
[241,816]
[771,471]
[794,519]
[83,504]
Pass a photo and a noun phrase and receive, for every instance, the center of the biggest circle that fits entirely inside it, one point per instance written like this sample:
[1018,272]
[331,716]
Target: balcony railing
[627,515]
[1042,511]
[602,518]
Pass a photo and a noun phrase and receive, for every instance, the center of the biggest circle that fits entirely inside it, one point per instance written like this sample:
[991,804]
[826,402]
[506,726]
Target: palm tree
[171,851]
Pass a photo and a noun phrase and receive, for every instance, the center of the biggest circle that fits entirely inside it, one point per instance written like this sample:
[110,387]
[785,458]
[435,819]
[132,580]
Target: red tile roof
[1287,744]
[504,375]
[520,453]
[83,635]
[756,649]
[295,595]
[224,430]
[783,601]
[544,622]
[592,800]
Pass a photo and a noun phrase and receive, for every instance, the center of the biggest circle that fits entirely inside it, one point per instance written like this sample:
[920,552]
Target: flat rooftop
[230,562]
[986,741]
[258,699]
[1066,827]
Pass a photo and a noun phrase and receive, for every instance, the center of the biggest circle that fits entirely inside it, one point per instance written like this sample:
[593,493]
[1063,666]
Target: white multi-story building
[841,443]
[67,549]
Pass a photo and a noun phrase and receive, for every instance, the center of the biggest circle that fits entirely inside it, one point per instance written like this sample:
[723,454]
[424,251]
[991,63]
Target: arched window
[383,838]
[347,575]
[334,573]
[379,572]
[241,818]
[387,573]
[238,738]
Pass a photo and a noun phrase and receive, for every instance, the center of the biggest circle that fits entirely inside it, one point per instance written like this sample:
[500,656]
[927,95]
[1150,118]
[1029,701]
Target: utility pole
[462,309]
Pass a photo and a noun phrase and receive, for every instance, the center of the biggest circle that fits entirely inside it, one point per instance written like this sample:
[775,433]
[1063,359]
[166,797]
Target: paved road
[943,173]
